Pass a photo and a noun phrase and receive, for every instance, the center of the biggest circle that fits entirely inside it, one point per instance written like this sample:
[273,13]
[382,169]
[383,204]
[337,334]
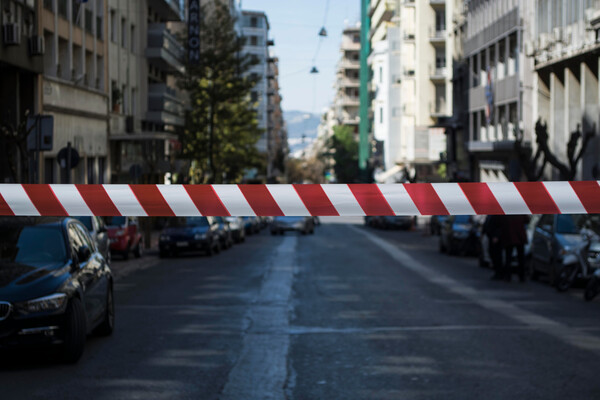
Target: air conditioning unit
[11,34]
[37,46]
[544,41]
[557,35]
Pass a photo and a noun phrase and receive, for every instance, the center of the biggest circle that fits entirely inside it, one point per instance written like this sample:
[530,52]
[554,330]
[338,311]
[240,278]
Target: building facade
[564,44]
[21,66]
[75,87]
[146,108]
[347,101]
[277,145]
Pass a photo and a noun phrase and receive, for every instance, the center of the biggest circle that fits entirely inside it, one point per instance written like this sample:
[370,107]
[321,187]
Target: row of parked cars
[563,249]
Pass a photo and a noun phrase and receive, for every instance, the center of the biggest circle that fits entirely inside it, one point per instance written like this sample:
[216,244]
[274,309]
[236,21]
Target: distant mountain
[301,123]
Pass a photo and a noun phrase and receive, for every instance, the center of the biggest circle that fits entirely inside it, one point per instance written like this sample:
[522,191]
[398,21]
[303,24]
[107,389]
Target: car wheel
[139,250]
[566,276]
[108,324]
[75,331]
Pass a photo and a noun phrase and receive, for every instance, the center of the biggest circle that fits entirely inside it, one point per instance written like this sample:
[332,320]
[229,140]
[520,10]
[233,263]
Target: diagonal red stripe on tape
[260,199]
[152,200]
[4,208]
[589,195]
[370,199]
[206,200]
[98,200]
[44,199]
[481,198]
[315,200]
[537,198]
[426,199]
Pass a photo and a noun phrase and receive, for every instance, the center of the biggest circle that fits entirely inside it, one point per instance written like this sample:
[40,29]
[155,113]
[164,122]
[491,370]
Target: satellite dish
[323,32]
[314,70]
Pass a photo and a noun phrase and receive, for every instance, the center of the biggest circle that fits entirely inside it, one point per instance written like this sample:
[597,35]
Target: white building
[411,58]
[346,102]
[255,30]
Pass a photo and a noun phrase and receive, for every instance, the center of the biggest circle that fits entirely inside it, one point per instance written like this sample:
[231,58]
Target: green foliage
[344,151]
[221,128]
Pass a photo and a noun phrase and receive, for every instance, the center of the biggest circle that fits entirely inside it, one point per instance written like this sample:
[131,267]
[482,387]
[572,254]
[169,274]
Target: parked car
[484,253]
[125,236]
[190,234]
[55,286]
[251,225]
[304,225]
[396,222]
[224,233]
[554,237]
[459,235]
[97,229]
[236,225]
[435,224]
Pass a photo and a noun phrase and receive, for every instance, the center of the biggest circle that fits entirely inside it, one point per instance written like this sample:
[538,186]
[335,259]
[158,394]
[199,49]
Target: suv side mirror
[84,253]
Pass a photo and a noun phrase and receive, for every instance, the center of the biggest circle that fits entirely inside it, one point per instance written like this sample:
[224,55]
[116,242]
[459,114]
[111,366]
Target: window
[356,39]
[132,38]
[381,115]
[133,101]
[440,20]
[254,22]
[254,96]
[380,74]
[253,41]
[113,26]
[91,171]
[101,169]
[125,100]
[123,32]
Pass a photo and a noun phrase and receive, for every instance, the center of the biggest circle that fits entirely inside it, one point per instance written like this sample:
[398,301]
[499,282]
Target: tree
[221,129]
[534,171]
[14,137]
[344,151]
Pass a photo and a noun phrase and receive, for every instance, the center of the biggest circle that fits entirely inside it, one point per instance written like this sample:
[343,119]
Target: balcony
[347,63]
[350,101]
[438,109]
[437,3]
[437,36]
[167,9]
[349,83]
[437,74]
[164,106]
[164,50]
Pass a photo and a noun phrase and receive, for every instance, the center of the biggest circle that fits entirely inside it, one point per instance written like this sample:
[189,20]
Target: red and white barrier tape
[301,200]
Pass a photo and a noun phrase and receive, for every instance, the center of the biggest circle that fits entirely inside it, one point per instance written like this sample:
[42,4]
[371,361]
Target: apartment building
[564,44]
[255,30]
[347,102]
[21,66]
[146,109]
[500,85]
[277,146]
[412,53]
[74,88]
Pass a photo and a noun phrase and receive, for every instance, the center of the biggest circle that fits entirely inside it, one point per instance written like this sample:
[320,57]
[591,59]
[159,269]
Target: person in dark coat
[492,228]
[514,237]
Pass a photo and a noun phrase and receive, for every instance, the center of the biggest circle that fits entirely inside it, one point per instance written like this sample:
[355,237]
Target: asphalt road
[348,313]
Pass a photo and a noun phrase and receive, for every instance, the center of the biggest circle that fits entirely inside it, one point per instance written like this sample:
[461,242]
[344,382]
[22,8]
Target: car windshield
[32,245]
[116,221]
[566,224]
[87,222]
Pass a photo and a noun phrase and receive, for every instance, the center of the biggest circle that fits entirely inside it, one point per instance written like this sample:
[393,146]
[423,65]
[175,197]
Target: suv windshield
[115,221]
[566,224]
[32,245]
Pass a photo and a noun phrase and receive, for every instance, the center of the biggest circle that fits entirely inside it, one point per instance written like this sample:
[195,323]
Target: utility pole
[365,50]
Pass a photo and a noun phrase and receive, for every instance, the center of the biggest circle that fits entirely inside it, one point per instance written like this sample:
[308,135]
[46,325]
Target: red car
[125,236]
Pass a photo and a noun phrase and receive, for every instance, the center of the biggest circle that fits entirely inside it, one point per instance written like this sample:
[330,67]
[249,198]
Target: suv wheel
[139,250]
[75,331]
[108,324]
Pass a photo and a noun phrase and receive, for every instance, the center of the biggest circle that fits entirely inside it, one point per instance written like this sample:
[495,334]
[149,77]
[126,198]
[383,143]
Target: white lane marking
[71,200]
[288,200]
[453,198]
[343,200]
[567,334]
[565,198]
[261,370]
[234,201]
[124,199]
[17,199]
[399,199]
[179,200]
[509,198]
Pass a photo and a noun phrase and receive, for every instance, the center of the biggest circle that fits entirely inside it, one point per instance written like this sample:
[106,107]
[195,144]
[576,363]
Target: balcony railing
[438,109]
[164,106]
[164,49]
[350,101]
[437,73]
[349,64]
[437,34]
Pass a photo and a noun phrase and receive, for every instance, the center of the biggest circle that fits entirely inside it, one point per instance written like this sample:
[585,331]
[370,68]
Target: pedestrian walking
[514,238]
[492,228]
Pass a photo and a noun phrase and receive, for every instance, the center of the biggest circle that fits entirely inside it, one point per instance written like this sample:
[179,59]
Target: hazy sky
[295,25]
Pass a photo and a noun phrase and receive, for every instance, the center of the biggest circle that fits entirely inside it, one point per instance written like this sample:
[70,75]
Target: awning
[144,136]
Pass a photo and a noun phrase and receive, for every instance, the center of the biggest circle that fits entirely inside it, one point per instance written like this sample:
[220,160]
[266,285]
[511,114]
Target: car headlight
[43,304]
[199,236]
